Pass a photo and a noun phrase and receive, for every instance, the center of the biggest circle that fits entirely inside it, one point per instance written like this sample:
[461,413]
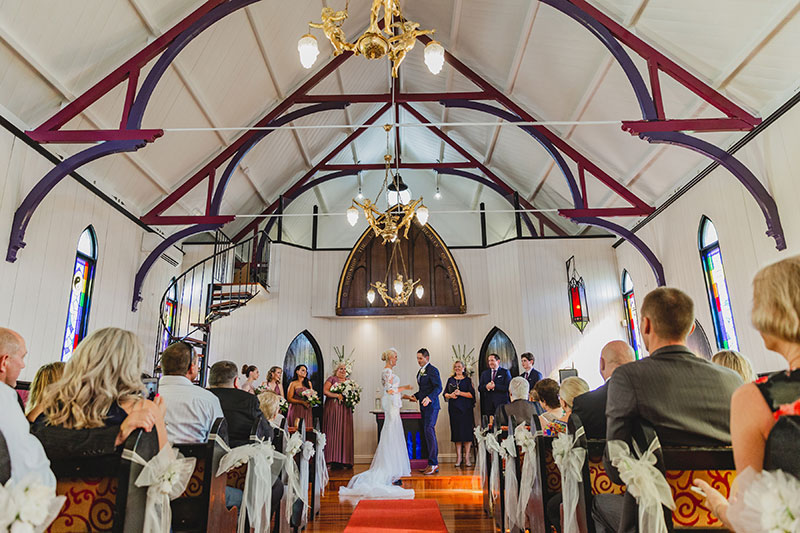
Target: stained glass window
[170,304]
[80,296]
[631,316]
[717,287]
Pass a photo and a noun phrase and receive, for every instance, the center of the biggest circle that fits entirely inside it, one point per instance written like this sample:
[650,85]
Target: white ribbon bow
[257,493]
[529,484]
[569,460]
[296,480]
[321,476]
[480,438]
[508,449]
[644,482]
[494,448]
[165,476]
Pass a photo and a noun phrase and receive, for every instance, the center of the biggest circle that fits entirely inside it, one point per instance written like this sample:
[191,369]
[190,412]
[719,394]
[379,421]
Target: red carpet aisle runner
[396,516]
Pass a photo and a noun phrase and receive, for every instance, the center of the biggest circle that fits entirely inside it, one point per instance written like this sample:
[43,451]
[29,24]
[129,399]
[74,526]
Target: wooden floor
[455,489]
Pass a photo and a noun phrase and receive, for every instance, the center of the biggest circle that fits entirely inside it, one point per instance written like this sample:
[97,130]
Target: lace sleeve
[386,379]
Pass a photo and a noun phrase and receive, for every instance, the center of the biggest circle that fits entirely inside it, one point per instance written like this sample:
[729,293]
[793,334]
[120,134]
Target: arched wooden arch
[427,258]
[304,350]
[499,343]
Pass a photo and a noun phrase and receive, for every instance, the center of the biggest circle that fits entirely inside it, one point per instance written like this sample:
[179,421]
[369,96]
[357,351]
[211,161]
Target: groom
[430,387]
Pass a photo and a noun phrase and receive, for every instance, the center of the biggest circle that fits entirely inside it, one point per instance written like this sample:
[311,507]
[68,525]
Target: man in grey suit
[520,408]
[686,399]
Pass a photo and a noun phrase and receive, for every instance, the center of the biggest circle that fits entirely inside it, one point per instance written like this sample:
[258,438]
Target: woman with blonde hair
[46,375]
[736,362]
[337,421]
[273,381]
[102,386]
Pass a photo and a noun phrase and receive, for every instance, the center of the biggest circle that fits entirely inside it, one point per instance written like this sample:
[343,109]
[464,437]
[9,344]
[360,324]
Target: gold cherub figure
[331,27]
[390,7]
[403,43]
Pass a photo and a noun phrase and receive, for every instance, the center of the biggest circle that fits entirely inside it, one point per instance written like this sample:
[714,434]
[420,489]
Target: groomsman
[528,372]
[430,387]
[494,386]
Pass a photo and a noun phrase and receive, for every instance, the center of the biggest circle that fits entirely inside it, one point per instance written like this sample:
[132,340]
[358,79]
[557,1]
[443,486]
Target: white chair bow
[569,460]
[321,476]
[508,449]
[257,493]
[166,476]
[480,463]
[295,482]
[529,483]
[493,447]
[644,482]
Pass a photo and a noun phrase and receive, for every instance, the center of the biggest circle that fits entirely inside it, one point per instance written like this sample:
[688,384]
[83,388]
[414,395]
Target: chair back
[101,491]
[202,505]
[549,474]
[585,525]
[261,430]
[5,461]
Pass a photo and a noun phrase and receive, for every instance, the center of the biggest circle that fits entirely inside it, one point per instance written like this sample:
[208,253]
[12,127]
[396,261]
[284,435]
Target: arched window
[80,296]
[304,350]
[631,315]
[497,342]
[170,304]
[716,286]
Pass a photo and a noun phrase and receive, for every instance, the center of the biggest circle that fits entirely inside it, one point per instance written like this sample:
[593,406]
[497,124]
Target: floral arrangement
[341,359]
[350,391]
[283,408]
[460,354]
[261,388]
[28,506]
[311,397]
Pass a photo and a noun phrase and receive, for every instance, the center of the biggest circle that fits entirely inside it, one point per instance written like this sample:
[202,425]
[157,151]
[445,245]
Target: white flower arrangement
[350,391]
[28,506]
[769,502]
[467,359]
[341,359]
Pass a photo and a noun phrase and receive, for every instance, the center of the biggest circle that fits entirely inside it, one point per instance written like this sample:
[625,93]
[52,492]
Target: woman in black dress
[460,396]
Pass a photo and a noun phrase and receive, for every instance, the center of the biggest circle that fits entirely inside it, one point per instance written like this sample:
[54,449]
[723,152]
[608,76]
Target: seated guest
[24,450]
[191,410]
[493,386]
[757,407]
[337,422]
[47,374]
[270,404]
[528,372]
[240,407]
[686,398]
[298,405]
[591,406]
[250,376]
[736,362]
[99,400]
[460,397]
[552,419]
[571,388]
[520,408]
[273,381]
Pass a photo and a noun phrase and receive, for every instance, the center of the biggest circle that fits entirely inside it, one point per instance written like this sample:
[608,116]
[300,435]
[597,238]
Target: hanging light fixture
[419,291]
[422,214]
[352,215]
[308,49]
[371,295]
[375,42]
[398,192]
[576,291]
[438,195]
[402,285]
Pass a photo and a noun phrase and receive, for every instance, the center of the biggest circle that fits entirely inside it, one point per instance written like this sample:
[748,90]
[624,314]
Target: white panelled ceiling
[239,69]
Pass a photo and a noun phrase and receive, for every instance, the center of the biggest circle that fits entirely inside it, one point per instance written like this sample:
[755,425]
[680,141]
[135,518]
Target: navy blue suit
[533,376]
[492,399]
[430,386]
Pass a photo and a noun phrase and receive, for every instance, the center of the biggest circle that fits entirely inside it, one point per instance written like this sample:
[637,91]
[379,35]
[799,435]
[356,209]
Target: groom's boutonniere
[422,372]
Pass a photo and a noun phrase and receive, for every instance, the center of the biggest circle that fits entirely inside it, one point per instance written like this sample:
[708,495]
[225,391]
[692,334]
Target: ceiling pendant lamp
[422,214]
[419,291]
[352,215]
[308,49]
[398,192]
[434,57]
[576,292]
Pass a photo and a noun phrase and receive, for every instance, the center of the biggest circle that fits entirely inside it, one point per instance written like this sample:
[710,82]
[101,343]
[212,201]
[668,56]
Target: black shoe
[397,482]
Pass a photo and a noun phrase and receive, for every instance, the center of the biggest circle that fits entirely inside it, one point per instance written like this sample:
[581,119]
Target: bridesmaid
[337,422]
[460,396]
[298,406]
[273,382]
[251,375]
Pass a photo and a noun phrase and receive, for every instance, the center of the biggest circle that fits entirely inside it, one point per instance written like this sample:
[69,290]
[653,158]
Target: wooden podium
[415,438]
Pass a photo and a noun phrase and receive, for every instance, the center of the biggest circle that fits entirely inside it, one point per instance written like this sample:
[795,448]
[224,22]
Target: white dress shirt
[191,410]
[25,450]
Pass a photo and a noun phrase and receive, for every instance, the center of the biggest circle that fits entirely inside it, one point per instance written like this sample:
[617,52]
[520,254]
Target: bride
[390,461]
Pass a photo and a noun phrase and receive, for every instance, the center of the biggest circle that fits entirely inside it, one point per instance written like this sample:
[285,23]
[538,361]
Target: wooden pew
[549,475]
[101,491]
[202,505]
[260,431]
[314,502]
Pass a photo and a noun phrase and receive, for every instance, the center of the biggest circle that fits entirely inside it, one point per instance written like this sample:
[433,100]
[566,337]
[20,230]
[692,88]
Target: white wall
[519,287]
[35,289]
[773,157]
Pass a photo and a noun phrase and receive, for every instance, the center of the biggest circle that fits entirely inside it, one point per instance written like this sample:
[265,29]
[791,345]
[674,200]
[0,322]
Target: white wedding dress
[390,461]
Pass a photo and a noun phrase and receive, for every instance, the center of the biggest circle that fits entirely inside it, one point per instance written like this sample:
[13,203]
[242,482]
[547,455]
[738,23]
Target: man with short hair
[520,408]
[430,387]
[493,386]
[687,399]
[191,410]
[530,374]
[240,408]
[591,406]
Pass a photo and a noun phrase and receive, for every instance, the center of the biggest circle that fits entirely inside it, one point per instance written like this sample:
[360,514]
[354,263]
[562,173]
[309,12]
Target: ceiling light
[359,195]
[419,291]
[307,46]
[352,215]
[422,214]
[438,195]
[398,285]
[398,191]
[434,56]
[371,295]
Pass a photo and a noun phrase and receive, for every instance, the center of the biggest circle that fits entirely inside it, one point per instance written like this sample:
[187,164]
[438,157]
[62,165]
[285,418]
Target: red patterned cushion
[688,509]
[89,506]
[195,486]
[237,476]
[601,483]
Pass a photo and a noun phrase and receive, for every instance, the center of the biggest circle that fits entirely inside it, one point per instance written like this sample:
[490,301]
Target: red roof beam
[400,97]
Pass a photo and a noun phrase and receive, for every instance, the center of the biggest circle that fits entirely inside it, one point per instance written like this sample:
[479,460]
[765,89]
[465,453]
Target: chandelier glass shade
[403,286]
[390,39]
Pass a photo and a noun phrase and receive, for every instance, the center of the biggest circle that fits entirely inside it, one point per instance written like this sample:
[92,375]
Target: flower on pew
[311,397]
[28,506]
[788,409]
[569,457]
[524,438]
[350,391]
[166,476]
[766,501]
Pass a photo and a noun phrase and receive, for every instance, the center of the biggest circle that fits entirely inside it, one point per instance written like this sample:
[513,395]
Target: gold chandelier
[397,219]
[403,285]
[375,42]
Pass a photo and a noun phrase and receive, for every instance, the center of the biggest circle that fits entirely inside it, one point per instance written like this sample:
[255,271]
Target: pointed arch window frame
[170,309]
[719,299]
[81,288]
[631,313]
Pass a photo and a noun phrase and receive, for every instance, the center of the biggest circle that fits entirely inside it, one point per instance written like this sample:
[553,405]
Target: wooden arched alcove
[427,258]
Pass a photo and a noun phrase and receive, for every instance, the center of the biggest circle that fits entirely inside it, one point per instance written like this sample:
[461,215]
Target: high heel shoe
[458,464]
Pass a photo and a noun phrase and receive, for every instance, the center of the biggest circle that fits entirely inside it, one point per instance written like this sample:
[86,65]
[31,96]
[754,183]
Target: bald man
[591,406]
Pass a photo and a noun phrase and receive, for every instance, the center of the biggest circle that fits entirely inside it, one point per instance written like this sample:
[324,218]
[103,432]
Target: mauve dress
[298,410]
[337,424]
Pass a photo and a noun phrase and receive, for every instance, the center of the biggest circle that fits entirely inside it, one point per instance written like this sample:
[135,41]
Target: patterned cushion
[552,472]
[601,483]
[688,509]
[195,486]
[89,506]
[237,476]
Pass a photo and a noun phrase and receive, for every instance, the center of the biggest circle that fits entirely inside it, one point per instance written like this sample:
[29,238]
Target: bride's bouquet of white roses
[311,397]
[350,391]
[28,506]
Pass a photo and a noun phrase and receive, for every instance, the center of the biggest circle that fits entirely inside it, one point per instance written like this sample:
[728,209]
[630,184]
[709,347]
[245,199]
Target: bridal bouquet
[311,397]
[283,408]
[28,506]
[350,391]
